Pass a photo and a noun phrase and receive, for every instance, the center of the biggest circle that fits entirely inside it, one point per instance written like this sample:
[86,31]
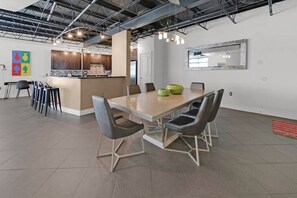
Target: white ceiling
[15,5]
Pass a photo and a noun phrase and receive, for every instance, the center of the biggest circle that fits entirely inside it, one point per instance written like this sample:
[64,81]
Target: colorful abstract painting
[21,63]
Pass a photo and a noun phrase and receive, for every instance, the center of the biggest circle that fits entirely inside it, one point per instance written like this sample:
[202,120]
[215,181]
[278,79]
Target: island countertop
[87,77]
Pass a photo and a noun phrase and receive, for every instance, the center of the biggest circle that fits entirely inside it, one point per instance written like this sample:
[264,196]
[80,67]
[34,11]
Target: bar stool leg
[53,100]
[47,100]
[41,98]
[58,92]
[38,97]
[55,97]
[33,96]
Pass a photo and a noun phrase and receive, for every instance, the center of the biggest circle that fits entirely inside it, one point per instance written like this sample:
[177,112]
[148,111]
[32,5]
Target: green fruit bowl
[175,89]
[163,92]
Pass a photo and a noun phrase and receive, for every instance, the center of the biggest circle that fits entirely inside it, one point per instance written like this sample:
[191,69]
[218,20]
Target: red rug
[285,128]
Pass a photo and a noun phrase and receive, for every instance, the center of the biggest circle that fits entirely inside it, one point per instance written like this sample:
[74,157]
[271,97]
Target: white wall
[158,51]
[269,85]
[40,61]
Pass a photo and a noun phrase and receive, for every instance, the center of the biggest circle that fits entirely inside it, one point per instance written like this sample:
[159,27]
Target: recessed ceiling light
[79,33]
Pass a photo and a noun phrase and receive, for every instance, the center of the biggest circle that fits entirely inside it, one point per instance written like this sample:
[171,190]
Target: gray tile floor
[54,156]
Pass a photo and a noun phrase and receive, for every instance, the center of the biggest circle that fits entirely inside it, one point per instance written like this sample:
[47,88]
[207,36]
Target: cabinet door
[87,61]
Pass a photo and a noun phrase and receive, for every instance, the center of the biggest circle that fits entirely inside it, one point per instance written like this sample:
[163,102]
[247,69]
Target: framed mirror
[230,55]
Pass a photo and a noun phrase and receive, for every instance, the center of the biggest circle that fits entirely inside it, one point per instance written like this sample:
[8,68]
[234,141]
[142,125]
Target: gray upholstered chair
[133,89]
[22,84]
[197,85]
[192,127]
[150,87]
[114,128]
[214,110]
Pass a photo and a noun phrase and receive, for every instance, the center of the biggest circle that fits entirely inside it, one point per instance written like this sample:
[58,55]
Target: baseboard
[78,112]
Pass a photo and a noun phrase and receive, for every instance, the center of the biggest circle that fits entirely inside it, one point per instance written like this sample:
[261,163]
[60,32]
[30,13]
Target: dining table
[149,107]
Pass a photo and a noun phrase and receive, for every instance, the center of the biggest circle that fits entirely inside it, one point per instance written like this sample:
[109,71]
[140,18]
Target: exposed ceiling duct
[152,16]
[46,20]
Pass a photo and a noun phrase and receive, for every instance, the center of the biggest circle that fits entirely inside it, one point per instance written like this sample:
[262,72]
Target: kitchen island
[76,92]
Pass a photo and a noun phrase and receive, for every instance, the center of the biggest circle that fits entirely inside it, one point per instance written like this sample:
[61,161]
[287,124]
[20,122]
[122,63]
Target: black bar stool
[39,96]
[34,93]
[55,94]
[50,98]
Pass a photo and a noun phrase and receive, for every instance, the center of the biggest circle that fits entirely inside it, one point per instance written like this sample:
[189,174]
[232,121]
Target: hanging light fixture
[160,36]
[171,36]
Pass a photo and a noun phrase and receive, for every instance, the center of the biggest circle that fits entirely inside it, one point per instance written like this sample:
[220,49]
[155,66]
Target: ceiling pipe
[51,12]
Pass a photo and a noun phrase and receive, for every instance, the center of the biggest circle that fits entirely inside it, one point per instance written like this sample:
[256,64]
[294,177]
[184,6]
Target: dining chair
[197,85]
[192,128]
[133,89]
[214,111]
[114,128]
[150,87]
[22,84]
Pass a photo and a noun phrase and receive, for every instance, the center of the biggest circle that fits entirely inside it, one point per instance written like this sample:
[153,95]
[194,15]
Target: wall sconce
[3,67]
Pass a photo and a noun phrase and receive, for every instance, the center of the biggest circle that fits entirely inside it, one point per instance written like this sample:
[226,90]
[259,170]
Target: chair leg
[112,156]
[142,142]
[209,134]
[18,93]
[28,92]
[197,151]
[101,137]
[216,129]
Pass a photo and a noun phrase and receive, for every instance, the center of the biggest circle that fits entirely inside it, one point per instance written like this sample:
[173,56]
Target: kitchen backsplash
[95,70]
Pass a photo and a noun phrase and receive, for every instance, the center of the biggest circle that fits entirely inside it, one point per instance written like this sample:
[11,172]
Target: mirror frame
[243,59]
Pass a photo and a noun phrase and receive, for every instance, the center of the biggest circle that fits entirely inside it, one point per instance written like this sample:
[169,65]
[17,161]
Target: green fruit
[175,89]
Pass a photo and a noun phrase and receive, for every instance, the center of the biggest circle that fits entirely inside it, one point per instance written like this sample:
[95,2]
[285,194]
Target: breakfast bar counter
[76,92]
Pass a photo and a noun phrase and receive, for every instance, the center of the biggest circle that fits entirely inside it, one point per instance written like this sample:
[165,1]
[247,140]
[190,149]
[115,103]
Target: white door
[145,69]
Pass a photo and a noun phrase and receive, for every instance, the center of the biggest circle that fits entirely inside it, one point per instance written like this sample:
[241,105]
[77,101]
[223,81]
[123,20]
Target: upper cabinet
[89,59]
[61,60]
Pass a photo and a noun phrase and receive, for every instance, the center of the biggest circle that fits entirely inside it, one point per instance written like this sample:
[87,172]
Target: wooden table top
[149,106]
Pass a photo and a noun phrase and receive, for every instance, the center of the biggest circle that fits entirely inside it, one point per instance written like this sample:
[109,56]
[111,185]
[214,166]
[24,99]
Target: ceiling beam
[57,14]
[78,9]
[115,7]
[25,24]
[31,18]
[149,17]
[21,30]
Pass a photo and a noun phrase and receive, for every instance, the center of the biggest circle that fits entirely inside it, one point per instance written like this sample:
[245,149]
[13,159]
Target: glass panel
[219,56]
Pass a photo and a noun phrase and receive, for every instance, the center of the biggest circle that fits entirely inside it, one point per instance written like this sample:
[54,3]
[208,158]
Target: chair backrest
[133,89]
[22,84]
[104,116]
[150,87]
[202,117]
[197,85]
[216,105]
